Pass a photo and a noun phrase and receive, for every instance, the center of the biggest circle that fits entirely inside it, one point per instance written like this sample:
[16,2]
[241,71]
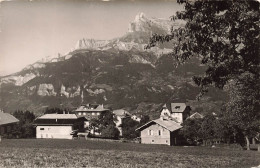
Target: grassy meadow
[88,153]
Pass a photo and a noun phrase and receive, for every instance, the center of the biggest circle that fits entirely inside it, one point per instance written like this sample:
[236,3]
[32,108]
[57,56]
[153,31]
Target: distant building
[7,123]
[58,126]
[121,115]
[196,115]
[177,111]
[136,118]
[160,131]
[90,111]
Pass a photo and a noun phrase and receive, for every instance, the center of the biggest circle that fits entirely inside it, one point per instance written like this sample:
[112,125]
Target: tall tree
[191,130]
[243,109]
[224,35]
[25,128]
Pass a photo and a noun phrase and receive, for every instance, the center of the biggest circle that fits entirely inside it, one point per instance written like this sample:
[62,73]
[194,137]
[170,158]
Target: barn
[58,126]
[7,123]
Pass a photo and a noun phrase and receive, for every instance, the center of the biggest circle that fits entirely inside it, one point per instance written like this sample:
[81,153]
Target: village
[95,122]
[71,125]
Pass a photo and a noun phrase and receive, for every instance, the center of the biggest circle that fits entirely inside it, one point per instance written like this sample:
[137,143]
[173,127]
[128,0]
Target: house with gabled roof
[177,111]
[165,130]
[58,126]
[90,111]
[160,131]
[7,123]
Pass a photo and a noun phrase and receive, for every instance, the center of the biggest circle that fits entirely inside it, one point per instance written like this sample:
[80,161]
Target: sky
[32,30]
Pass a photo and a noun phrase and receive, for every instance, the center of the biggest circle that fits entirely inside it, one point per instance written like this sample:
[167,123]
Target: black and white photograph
[130,83]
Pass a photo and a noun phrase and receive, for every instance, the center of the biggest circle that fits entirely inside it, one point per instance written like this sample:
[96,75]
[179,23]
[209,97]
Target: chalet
[90,111]
[160,131]
[177,111]
[121,115]
[7,123]
[58,126]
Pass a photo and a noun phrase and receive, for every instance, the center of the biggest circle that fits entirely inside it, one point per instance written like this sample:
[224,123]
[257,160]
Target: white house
[58,126]
[160,131]
[177,111]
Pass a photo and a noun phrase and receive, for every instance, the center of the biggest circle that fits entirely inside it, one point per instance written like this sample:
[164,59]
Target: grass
[87,153]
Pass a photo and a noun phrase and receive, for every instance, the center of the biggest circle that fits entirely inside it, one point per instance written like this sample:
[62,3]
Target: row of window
[80,113]
[174,114]
[151,132]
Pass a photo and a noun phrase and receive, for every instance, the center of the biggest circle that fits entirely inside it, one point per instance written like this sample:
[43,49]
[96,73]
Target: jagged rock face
[91,44]
[18,80]
[70,92]
[137,37]
[149,25]
[46,90]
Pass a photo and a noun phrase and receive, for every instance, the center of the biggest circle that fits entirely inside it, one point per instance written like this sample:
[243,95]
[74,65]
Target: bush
[110,132]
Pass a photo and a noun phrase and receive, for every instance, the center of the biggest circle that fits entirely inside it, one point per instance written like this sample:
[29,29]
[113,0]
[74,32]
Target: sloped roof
[58,116]
[6,118]
[167,124]
[178,107]
[91,107]
[196,115]
[121,112]
[58,119]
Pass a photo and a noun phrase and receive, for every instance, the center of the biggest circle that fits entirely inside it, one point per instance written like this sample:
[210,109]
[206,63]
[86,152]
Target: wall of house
[55,132]
[155,134]
[7,128]
[178,117]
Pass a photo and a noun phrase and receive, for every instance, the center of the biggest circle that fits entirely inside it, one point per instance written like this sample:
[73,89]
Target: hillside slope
[118,73]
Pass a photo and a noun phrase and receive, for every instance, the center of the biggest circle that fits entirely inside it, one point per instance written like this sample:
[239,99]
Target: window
[93,113]
[41,128]
[80,113]
[152,141]
[98,113]
[151,132]
[159,132]
[84,113]
[177,107]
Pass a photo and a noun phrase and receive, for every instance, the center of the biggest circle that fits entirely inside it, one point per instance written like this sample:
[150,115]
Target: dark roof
[176,107]
[167,124]
[52,121]
[6,118]
[58,116]
[90,108]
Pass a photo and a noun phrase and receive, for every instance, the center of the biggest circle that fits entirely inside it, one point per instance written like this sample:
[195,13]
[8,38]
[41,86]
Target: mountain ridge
[117,72]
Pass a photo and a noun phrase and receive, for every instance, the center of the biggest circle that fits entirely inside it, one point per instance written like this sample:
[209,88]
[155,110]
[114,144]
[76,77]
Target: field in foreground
[87,153]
